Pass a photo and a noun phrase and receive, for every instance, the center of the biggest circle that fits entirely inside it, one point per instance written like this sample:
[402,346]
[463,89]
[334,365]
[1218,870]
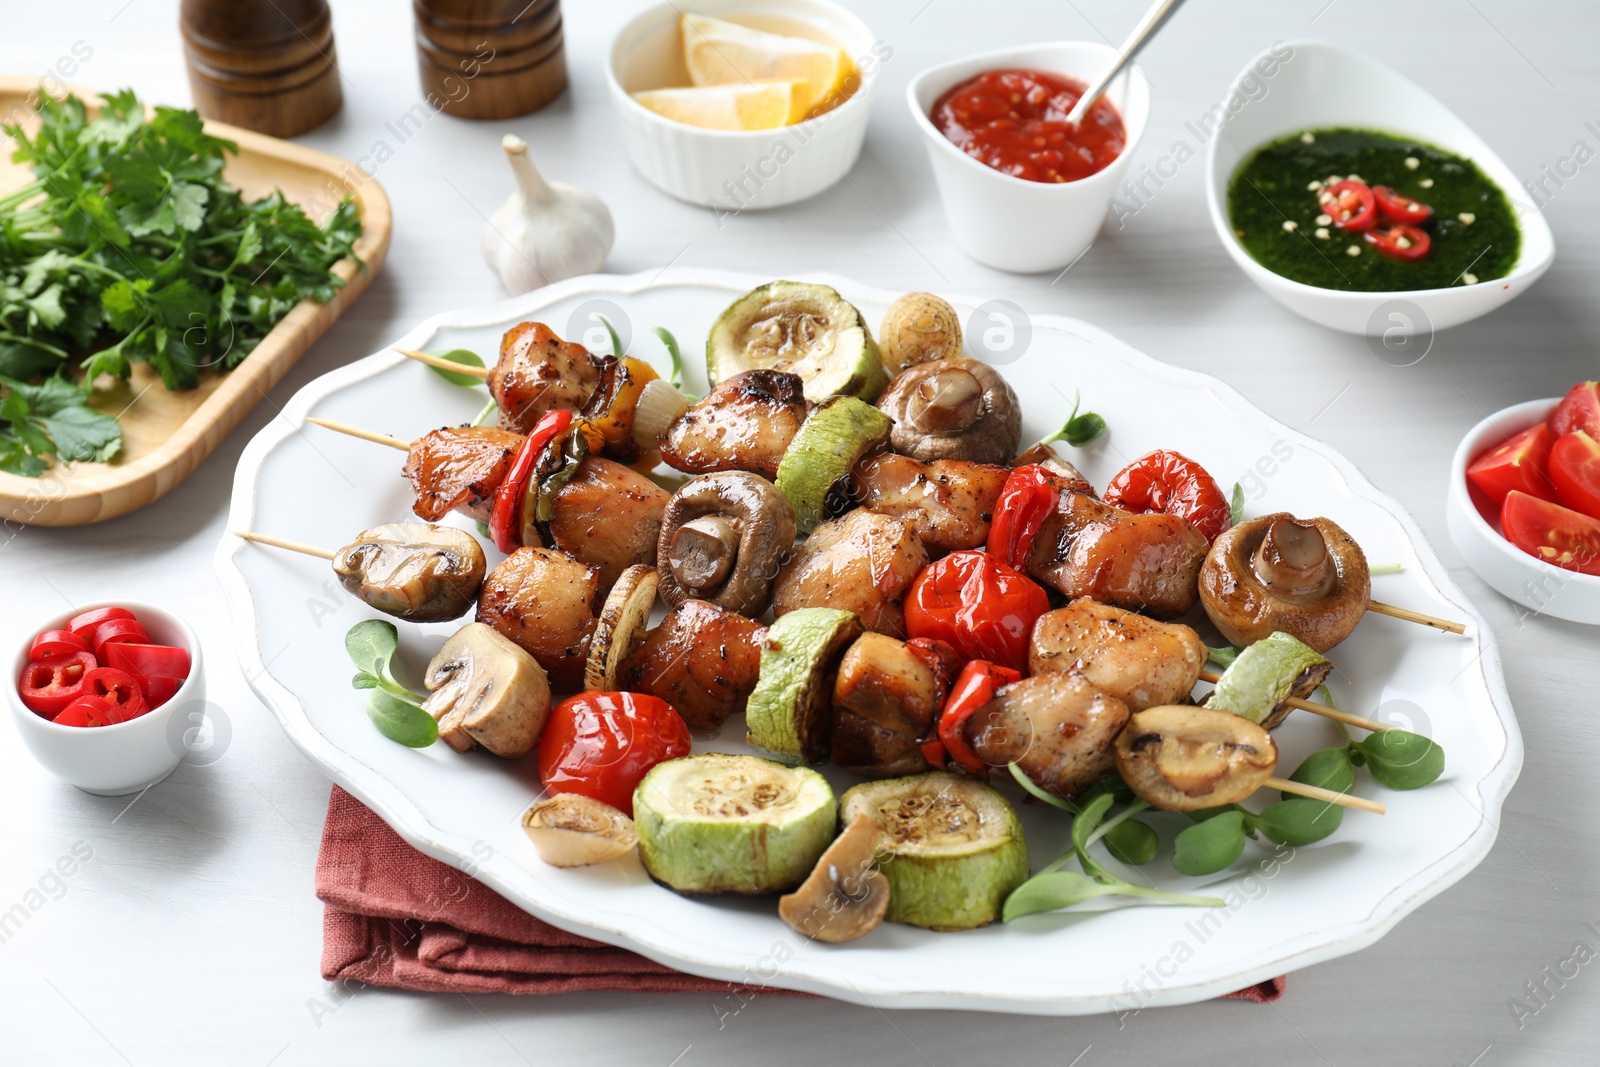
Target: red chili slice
[1351,205]
[88,711]
[1398,206]
[973,689]
[84,623]
[113,631]
[49,685]
[119,689]
[504,521]
[56,643]
[149,661]
[1399,240]
[159,690]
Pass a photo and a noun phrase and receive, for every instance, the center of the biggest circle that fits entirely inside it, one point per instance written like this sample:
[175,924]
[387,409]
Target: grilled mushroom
[722,540]
[918,328]
[953,409]
[845,896]
[483,689]
[572,830]
[621,626]
[414,571]
[1307,578]
[1184,758]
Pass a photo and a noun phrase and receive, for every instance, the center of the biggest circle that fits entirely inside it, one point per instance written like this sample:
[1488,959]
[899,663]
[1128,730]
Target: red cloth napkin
[396,917]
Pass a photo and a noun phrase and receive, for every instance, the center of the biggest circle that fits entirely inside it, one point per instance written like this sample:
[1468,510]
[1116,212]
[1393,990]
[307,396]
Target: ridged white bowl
[738,170]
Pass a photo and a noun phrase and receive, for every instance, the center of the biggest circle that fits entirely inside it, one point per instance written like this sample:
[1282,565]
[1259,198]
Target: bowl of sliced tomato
[101,695]
[1524,503]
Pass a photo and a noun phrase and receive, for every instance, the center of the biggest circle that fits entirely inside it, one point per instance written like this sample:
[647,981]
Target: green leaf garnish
[400,720]
[671,342]
[611,331]
[463,357]
[1401,759]
[1236,505]
[1210,846]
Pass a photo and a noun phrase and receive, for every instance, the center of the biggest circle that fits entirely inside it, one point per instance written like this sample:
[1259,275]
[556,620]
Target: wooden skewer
[1416,616]
[365,435]
[1209,675]
[278,542]
[1344,800]
[439,362]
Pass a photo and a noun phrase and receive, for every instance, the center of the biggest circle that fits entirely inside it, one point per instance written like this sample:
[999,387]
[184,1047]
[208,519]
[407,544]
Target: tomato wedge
[1575,472]
[84,623]
[503,521]
[1578,410]
[1400,207]
[1028,495]
[1560,536]
[1350,204]
[1515,464]
[1399,241]
[982,608]
[602,744]
[1175,484]
[149,661]
[973,689]
[56,643]
[52,683]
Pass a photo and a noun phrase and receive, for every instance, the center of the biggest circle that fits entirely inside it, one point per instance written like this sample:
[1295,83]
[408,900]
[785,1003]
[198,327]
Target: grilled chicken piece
[1149,563]
[609,517]
[1139,661]
[885,700]
[702,659]
[544,601]
[948,502]
[1057,728]
[863,562]
[538,372]
[459,467]
[744,425]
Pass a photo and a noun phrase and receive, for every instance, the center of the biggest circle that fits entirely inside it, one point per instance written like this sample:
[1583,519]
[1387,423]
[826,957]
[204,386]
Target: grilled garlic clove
[546,231]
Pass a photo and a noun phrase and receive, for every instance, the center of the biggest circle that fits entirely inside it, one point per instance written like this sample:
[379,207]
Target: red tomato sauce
[1013,121]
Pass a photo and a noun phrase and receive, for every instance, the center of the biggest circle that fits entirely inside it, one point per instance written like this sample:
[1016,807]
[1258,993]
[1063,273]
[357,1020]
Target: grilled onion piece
[572,830]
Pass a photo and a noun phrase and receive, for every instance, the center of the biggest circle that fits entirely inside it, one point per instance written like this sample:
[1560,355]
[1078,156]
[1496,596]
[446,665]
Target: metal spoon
[1153,20]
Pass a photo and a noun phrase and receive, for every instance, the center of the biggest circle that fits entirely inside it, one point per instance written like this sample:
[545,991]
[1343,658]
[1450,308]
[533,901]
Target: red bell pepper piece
[508,498]
[973,689]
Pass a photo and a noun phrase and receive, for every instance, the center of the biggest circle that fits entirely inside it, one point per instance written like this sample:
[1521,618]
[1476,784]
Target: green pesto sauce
[1272,186]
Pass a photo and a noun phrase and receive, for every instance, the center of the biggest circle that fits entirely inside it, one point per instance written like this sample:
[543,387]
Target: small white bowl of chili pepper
[96,694]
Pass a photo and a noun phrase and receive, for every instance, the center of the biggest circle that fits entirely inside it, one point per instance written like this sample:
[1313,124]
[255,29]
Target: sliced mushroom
[572,830]
[953,409]
[1057,728]
[414,571]
[918,328]
[621,627]
[482,688]
[1138,660]
[1307,578]
[885,700]
[722,540]
[1184,758]
[846,896]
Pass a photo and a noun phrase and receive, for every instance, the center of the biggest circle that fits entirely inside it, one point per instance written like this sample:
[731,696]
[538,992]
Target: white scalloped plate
[1284,912]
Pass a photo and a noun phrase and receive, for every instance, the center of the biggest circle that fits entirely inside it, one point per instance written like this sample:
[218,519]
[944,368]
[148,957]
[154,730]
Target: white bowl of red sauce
[108,705]
[1023,191]
[1523,502]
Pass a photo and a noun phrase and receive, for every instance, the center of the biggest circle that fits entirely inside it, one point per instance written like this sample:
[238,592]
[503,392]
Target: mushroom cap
[845,896]
[1181,757]
[953,409]
[723,538]
[917,328]
[1246,609]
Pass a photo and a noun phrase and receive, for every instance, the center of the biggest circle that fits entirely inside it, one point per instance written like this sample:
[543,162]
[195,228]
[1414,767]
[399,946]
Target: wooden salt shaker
[490,59]
[266,65]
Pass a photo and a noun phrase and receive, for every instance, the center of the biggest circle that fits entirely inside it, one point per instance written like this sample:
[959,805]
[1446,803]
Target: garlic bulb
[546,231]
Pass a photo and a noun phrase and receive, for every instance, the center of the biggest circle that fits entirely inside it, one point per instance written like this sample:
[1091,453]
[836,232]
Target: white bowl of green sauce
[1325,108]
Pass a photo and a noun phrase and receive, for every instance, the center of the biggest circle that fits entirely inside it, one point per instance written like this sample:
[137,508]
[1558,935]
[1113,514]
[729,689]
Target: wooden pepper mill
[266,65]
[490,59]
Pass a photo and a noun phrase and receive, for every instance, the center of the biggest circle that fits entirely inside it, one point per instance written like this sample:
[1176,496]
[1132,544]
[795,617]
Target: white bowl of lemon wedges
[740,105]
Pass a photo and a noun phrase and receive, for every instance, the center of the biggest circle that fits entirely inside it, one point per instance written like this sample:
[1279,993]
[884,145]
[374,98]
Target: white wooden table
[191,934]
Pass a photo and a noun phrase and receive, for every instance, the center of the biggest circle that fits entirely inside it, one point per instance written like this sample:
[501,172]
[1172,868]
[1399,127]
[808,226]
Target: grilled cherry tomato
[49,685]
[1559,536]
[84,623]
[503,521]
[973,689]
[1398,240]
[56,643]
[149,661]
[1351,205]
[1575,472]
[982,608]
[88,711]
[119,689]
[115,631]
[1400,207]
[1515,464]
[1578,410]
[1172,483]
[1028,495]
[601,744]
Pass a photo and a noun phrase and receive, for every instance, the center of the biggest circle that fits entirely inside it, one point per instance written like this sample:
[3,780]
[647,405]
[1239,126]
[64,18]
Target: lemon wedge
[718,52]
[763,106]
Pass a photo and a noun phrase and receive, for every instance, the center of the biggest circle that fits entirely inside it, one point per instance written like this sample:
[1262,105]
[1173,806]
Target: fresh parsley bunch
[129,247]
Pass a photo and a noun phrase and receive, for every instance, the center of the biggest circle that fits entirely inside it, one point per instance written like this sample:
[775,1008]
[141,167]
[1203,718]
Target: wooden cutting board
[166,434]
